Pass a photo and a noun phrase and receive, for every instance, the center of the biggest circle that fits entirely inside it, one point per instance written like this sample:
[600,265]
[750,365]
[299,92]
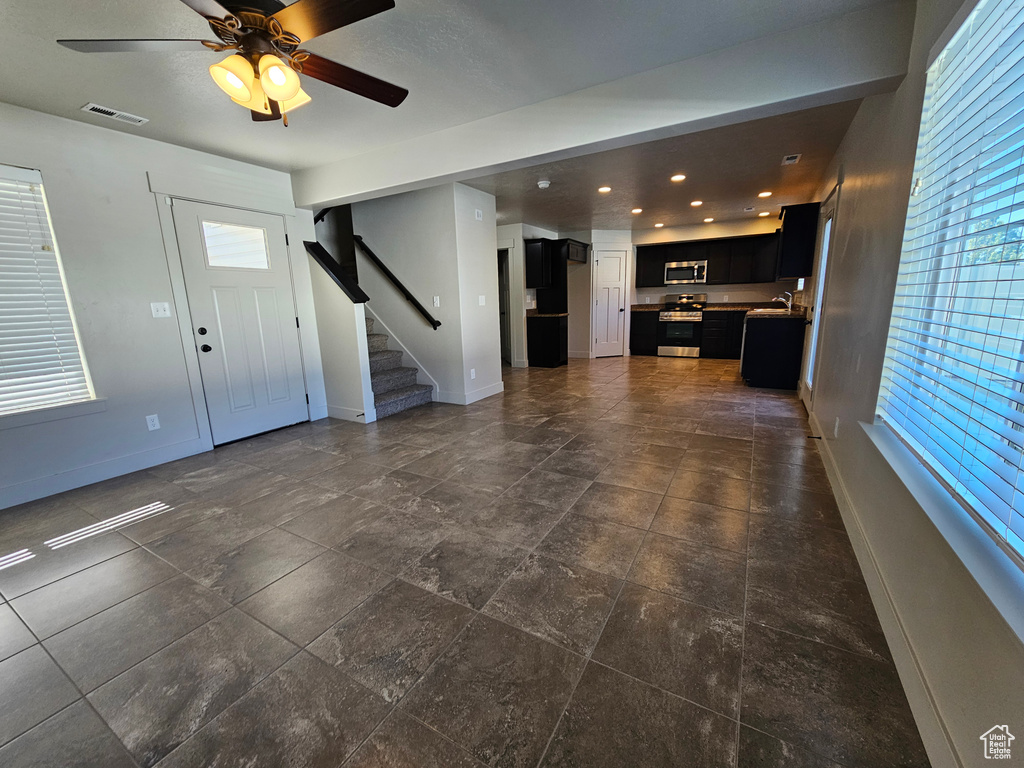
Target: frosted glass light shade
[279,81]
[234,76]
[257,101]
[296,101]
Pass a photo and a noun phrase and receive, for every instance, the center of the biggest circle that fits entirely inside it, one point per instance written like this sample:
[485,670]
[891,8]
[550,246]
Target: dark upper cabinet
[643,332]
[538,256]
[798,239]
[741,260]
[575,250]
[719,262]
[650,266]
[766,258]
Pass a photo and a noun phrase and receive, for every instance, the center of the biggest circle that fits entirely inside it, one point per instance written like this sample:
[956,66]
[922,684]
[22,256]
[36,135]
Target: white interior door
[817,291]
[239,292]
[609,320]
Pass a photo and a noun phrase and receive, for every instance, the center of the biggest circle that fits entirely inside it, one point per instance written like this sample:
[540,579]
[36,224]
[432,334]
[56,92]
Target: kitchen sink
[768,312]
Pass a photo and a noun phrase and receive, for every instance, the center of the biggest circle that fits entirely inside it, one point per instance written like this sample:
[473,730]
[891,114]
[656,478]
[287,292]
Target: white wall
[107,223]
[477,254]
[343,349]
[960,656]
[417,235]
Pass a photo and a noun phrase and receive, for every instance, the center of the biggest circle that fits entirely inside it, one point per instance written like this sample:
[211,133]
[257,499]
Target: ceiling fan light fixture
[279,81]
[299,99]
[257,101]
[234,76]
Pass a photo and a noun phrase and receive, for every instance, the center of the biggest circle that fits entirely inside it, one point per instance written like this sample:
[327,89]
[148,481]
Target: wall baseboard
[580,353]
[934,734]
[350,414]
[460,398]
[41,487]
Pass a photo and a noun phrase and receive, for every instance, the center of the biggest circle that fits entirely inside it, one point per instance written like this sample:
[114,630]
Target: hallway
[621,562]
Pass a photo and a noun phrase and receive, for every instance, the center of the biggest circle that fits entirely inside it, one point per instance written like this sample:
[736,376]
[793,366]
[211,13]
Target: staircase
[394,386]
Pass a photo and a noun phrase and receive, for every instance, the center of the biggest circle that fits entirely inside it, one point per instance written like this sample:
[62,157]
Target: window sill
[53,413]
[993,568]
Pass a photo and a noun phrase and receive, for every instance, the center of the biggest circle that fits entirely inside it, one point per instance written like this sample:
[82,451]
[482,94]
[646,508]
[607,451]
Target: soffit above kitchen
[460,60]
[725,169]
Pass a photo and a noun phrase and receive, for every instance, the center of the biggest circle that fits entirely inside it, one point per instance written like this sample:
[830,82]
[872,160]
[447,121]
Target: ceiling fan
[263,74]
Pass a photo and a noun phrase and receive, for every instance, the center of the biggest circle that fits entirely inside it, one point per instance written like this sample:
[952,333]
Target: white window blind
[40,360]
[953,382]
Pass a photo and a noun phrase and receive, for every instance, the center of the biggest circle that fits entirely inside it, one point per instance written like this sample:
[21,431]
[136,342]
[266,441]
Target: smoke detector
[543,184]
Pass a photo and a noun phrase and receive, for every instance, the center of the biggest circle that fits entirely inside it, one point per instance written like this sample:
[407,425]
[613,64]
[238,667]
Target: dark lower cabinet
[722,334]
[773,351]
[547,341]
[643,332]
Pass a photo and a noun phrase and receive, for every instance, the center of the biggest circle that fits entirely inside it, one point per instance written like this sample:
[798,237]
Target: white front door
[239,292]
[609,320]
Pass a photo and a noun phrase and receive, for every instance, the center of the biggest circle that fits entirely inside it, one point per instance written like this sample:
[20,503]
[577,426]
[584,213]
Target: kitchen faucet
[788,302]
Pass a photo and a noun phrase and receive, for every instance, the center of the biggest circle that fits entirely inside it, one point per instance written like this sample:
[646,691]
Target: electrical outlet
[153,422]
[160,309]
[472,373]
[483,300]
[437,301]
[647,299]
[725,297]
[835,431]
[479,214]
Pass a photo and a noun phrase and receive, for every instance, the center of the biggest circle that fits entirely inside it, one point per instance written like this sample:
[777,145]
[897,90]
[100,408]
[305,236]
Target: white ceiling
[725,168]
[461,60]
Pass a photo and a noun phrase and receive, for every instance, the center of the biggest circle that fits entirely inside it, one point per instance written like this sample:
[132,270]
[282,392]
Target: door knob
[622,309]
[206,348]
[201,331]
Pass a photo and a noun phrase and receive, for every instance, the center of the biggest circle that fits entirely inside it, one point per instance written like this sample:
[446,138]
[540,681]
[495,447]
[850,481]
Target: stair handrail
[331,267]
[396,282]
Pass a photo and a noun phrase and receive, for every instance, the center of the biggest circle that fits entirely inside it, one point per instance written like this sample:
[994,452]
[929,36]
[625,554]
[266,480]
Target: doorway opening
[815,314]
[504,299]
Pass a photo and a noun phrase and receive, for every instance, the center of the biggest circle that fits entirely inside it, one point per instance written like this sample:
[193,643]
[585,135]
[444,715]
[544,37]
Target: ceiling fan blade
[211,9]
[311,18]
[352,80]
[131,46]
[266,7]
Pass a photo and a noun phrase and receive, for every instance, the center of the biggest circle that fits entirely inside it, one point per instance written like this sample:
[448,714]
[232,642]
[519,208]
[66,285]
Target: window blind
[40,360]
[953,380]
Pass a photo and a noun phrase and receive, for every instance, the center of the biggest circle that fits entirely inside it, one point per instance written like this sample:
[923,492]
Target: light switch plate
[437,301]
[479,215]
[160,308]
[483,300]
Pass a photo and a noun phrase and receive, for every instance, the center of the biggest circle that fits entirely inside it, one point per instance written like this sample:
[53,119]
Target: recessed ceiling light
[763,213]
[708,220]
[637,210]
[764,194]
[697,203]
[659,225]
[604,190]
[678,177]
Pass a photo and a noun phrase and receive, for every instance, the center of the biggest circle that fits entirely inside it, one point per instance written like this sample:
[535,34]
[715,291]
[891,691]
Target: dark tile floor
[618,563]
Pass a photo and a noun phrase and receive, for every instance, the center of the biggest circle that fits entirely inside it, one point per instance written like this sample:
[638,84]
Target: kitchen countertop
[535,313]
[647,307]
[797,313]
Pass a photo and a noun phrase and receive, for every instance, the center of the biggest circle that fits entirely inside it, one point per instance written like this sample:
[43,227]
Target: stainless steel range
[679,325]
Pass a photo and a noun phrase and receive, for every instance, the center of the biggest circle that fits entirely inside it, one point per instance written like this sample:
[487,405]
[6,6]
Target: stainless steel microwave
[679,272]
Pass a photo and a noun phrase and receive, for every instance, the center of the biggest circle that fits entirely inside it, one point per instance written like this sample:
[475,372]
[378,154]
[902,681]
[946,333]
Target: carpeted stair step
[385,360]
[369,325]
[377,342]
[398,400]
[394,378]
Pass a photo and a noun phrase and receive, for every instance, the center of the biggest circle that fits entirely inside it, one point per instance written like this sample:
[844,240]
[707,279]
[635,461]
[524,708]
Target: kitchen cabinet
[798,239]
[547,340]
[643,332]
[575,250]
[650,266]
[773,351]
[538,256]
[722,334]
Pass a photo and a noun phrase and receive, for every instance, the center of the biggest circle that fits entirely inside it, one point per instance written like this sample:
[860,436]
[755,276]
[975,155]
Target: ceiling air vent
[115,114]
[791,159]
